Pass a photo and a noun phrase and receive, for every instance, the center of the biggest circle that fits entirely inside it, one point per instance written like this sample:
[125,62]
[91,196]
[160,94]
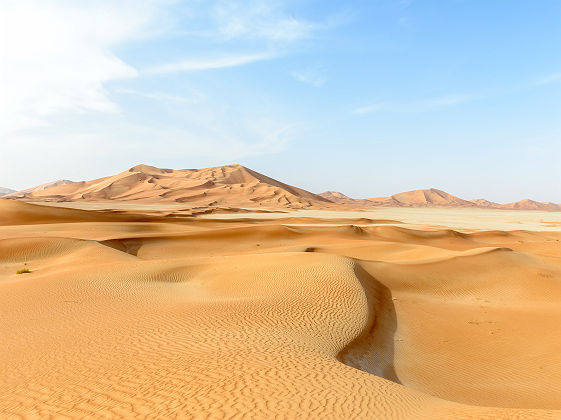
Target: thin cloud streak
[161,96]
[201,64]
[367,109]
[416,106]
[450,99]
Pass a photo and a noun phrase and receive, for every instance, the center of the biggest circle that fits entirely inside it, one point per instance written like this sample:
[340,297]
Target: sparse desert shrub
[23,271]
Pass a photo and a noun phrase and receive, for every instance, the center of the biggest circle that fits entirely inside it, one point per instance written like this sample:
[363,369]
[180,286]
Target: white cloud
[194,98]
[63,80]
[416,106]
[259,19]
[313,76]
[57,56]
[208,63]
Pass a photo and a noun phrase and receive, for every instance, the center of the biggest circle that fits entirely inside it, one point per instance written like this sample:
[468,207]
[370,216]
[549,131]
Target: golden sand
[153,314]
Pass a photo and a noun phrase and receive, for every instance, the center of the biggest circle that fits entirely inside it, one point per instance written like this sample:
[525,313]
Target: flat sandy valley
[161,311]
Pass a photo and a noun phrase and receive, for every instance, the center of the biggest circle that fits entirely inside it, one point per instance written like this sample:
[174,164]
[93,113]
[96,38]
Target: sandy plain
[392,313]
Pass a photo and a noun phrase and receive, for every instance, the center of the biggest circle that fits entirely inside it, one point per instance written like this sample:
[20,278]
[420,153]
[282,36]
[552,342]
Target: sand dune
[290,318]
[18,213]
[27,192]
[232,185]
[337,197]
[420,198]
[528,204]
[235,186]
[481,202]
[435,198]
[525,204]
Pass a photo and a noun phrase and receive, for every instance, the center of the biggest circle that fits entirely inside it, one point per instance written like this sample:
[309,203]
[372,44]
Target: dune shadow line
[373,350]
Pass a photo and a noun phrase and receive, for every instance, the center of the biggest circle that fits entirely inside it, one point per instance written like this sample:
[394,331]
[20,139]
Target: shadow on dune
[373,350]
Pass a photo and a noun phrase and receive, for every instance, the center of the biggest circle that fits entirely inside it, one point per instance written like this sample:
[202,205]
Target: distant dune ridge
[437,198]
[236,185]
[481,202]
[337,197]
[340,198]
[43,187]
[423,198]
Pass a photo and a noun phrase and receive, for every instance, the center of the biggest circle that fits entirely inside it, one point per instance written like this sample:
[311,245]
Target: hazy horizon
[368,99]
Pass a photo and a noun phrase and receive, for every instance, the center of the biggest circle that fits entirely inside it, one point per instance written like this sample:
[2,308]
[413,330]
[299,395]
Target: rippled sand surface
[307,316]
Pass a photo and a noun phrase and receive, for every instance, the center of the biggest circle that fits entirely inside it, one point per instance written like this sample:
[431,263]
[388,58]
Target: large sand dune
[128,314]
[232,185]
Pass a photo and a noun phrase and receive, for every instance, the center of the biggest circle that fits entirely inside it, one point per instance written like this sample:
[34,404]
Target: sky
[369,98]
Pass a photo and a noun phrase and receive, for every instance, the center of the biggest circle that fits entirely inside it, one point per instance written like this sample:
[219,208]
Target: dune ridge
[438,198]
[430,197]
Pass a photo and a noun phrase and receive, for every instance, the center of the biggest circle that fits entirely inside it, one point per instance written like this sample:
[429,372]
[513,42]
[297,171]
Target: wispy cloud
[367,109]
[415,106]
[57,56]
[552,78]
[313,76]
[66,67]
[259,20]
[453,99]
[198,64]
[194,98]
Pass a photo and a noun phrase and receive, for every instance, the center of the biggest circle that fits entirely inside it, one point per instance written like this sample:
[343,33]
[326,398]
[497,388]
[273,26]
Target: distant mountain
[6,191]
[232,185]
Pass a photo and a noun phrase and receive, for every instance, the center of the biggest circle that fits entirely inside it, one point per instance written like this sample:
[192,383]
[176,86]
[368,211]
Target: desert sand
[163,312]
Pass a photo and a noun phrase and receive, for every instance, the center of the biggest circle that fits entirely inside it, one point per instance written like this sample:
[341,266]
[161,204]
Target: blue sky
[369,98]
